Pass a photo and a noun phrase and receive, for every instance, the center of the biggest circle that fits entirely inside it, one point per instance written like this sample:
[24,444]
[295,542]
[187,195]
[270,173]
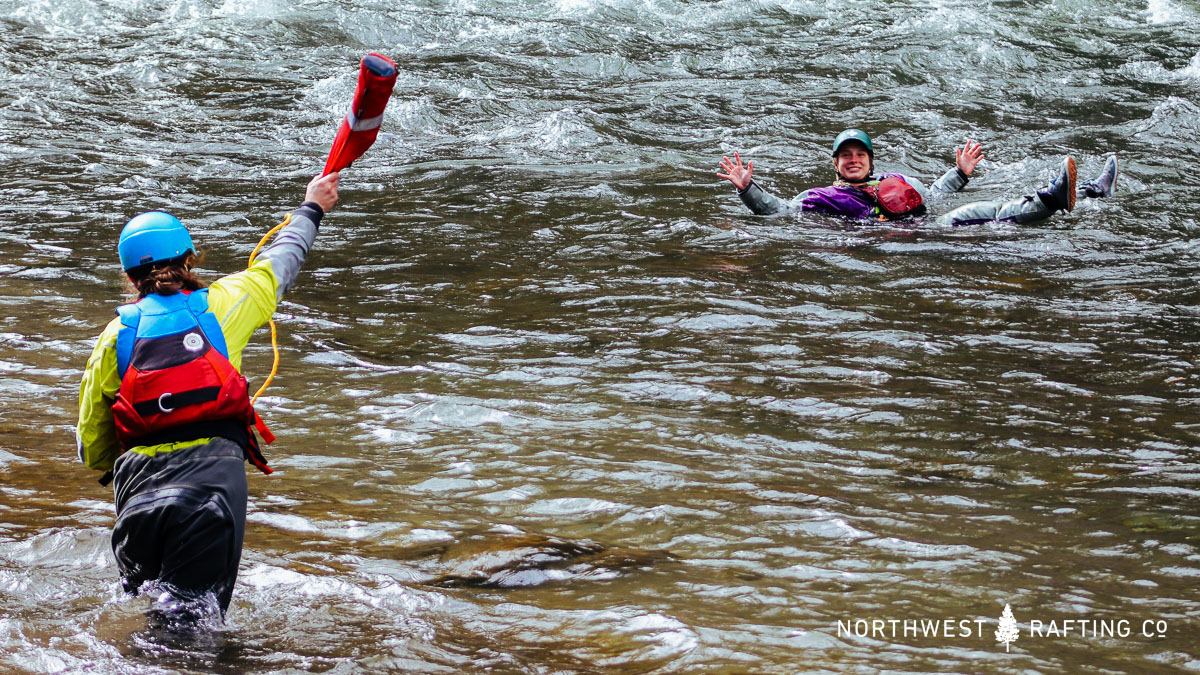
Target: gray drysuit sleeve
[764,203]
[951,181]
[290,248]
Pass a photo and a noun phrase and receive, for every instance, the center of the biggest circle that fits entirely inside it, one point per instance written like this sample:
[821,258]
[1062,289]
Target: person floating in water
[164,410]
[859,193]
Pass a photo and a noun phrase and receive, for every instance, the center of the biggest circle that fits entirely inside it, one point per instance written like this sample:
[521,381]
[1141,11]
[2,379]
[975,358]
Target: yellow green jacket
[242,303]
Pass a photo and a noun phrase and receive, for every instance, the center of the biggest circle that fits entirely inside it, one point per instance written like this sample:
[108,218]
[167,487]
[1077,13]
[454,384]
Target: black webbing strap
[168,402]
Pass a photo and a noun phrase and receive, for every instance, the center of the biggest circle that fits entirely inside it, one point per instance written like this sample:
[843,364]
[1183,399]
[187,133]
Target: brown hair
[166,278]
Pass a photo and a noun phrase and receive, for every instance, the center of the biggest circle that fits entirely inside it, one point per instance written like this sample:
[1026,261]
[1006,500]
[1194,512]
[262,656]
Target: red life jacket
[896,198]
[177,383]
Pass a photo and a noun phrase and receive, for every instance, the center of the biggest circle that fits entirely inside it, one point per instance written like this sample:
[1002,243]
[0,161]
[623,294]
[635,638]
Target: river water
[551,400]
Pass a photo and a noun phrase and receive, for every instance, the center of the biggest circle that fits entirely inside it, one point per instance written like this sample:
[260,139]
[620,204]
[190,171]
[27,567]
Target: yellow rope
[267,236]
[274,332]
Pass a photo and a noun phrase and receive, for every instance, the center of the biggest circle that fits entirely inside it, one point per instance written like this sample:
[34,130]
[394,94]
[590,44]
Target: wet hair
[167,277]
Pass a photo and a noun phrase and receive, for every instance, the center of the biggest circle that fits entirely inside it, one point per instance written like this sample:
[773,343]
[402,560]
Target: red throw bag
[376,78]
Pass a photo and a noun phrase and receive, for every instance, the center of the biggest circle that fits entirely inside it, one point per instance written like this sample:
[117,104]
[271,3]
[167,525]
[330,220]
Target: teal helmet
[853,135]
[153,237]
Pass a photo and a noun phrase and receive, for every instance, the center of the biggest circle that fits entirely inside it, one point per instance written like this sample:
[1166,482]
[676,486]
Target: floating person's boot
[1060,194]
[1102,185]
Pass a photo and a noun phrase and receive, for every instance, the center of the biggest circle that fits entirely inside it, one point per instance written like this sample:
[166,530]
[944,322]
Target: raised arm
[753,196]
[965,160]
[290,248]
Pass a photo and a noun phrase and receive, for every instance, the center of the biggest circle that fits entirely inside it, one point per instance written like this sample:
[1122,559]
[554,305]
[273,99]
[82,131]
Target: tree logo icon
[1007,632]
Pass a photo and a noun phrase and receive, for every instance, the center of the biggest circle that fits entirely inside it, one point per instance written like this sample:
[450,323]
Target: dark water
[551,400]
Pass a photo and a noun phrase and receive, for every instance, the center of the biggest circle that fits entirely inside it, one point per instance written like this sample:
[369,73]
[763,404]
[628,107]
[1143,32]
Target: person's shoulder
[108,336]
[251,292]
[910,180]
[106,344]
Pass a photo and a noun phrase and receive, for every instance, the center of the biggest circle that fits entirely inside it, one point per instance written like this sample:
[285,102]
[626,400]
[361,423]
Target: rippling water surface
[551,400]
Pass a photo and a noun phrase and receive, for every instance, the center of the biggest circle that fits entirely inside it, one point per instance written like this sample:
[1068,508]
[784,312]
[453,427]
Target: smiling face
[853,162]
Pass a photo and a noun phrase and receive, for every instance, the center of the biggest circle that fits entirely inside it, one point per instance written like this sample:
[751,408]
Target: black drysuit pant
[181,519]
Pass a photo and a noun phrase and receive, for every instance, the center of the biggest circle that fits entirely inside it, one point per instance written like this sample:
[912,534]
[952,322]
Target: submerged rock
[523,560]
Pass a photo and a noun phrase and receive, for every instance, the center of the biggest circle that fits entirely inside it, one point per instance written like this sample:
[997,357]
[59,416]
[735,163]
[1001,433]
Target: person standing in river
[858,193]
[165,412]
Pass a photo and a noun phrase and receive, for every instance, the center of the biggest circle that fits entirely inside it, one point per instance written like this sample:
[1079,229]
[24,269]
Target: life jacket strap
[168,402]
[231,429]
[263,431]
[254,454]
[131,316]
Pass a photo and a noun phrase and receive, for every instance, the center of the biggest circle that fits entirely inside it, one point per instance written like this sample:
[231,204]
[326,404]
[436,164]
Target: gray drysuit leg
[1024,210]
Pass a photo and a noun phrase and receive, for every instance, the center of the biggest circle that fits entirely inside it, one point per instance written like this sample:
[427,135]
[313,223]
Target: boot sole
[1071,175]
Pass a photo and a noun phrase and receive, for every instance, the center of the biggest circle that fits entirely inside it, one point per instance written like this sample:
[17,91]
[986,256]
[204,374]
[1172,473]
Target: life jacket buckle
[162,407]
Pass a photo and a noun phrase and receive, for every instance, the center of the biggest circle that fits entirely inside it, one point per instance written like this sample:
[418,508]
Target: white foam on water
[1160,12]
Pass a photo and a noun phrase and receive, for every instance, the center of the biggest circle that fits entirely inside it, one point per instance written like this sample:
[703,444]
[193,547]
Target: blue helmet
[153,237]
[853,135]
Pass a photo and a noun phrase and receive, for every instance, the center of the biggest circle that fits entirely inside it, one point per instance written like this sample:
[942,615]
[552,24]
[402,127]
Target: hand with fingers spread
[736,173]
[966,157]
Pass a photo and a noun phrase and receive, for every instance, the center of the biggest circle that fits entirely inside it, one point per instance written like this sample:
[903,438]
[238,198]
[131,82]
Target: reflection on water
[552,401]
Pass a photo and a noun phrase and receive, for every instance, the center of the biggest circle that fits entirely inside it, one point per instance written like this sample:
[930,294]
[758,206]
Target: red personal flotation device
[896,198]
[376,78]
[177,383]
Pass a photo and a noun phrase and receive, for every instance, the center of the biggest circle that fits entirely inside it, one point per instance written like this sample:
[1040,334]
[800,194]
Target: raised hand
[736,173]
[322,190]
[966,157]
